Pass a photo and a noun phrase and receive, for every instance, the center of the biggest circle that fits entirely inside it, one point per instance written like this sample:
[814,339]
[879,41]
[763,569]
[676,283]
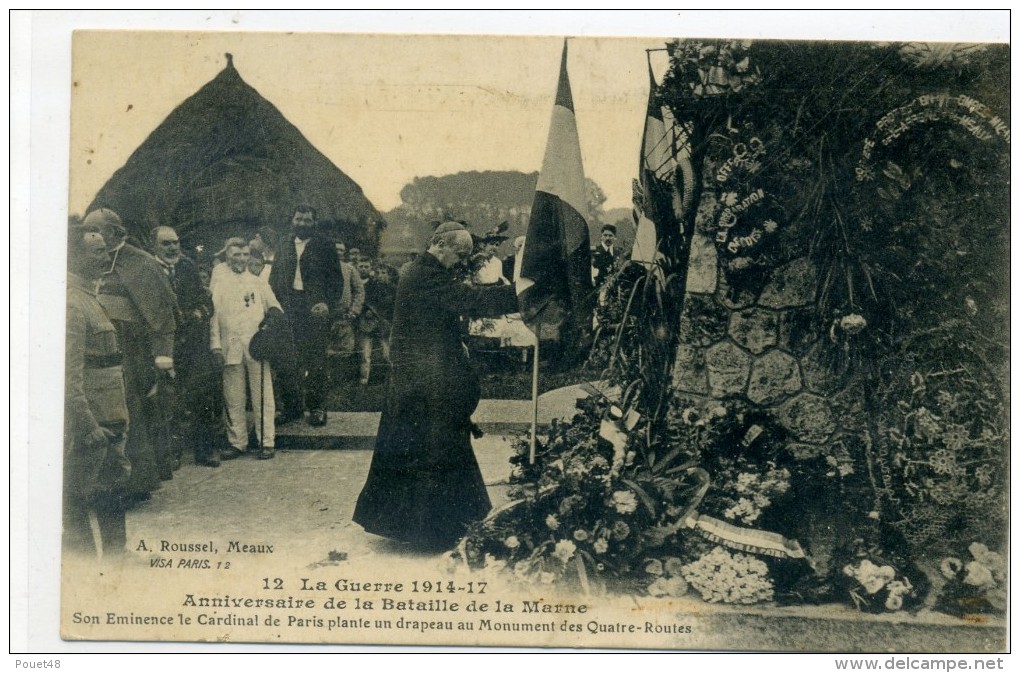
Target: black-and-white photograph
[542,341]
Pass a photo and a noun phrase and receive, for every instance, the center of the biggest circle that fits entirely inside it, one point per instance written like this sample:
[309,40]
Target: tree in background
[483,199]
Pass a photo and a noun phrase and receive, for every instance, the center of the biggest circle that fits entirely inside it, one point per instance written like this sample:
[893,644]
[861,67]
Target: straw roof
[226,162]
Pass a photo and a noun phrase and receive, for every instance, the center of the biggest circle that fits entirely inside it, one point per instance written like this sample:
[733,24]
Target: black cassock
[424,485]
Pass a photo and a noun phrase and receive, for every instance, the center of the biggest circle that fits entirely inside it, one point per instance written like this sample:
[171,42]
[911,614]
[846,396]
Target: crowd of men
[165,353]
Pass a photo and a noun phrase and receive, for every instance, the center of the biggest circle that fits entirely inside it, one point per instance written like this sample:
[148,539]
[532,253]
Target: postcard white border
[40,95]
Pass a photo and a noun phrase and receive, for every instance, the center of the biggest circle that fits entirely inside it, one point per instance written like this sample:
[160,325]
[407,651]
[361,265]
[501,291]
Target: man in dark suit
[424,485]
[198,406]
[307,280]
[605,259]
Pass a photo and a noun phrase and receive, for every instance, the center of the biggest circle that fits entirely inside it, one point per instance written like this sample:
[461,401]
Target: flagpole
[534,394]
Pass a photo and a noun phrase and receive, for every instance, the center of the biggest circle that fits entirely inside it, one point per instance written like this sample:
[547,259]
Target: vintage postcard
[766,408]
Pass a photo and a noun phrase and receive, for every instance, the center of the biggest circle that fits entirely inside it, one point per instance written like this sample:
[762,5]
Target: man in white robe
[240,301]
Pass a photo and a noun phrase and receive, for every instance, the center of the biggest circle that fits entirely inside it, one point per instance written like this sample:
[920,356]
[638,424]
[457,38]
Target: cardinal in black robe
[424,485]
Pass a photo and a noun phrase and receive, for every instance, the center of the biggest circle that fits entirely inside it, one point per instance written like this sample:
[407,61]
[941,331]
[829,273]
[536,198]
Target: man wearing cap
[96,468]
[136,294]
[240,302]
[198,401]
[307,279]
[424,486]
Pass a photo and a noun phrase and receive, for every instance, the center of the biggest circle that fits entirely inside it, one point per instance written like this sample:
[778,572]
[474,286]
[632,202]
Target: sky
[386,108]
[383,108]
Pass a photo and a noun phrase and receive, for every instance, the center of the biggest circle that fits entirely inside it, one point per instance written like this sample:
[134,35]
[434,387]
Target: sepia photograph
[613,342]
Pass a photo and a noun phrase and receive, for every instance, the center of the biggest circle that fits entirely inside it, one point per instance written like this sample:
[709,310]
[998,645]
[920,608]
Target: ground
[301,502]
[503,376]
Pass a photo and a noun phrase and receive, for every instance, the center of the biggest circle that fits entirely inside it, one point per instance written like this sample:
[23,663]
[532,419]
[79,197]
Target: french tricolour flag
[554,291]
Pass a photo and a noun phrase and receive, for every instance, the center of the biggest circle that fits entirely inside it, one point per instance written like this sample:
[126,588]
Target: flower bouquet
[876,576]
[590,510]
[976,585]
[721,576]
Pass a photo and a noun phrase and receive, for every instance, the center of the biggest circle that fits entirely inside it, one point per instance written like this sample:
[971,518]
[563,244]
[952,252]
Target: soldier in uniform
[96,468]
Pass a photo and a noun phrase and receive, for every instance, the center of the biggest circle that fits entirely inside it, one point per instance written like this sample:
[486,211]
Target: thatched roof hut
[226,162]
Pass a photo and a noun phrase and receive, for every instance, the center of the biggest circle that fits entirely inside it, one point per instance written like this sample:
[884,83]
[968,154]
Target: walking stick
[96,532]
[262,407]
[164,454]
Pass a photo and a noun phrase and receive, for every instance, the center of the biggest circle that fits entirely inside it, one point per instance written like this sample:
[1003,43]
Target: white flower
[950,567]
[552,522]
[662,586]
[654,567]
[899,587]
[853,323]
[600,546]
[894,602]
[512,542]
[746,482]
[978,575]
[744,510]
[564,550]
[720,576]
[873,578]
[990,559]
[978,551]
[580,535]
[739,263]
[625,502]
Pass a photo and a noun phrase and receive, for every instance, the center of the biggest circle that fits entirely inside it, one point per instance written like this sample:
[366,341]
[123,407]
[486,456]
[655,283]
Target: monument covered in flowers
[805,399]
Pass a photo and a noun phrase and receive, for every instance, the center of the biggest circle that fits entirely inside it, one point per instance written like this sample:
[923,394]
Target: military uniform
[95,472]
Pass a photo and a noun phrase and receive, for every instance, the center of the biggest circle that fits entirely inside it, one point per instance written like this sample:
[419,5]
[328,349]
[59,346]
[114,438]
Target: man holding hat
[424,486]
[240,302]
[198,404]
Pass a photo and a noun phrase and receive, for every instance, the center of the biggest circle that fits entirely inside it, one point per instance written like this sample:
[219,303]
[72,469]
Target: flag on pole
[555,287]
[666,183]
